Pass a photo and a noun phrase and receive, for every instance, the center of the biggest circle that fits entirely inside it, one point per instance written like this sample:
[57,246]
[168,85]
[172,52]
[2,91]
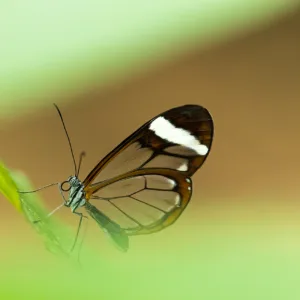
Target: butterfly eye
[65,189]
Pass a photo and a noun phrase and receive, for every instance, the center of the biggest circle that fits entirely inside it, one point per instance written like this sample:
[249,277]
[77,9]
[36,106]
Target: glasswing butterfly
[144,184]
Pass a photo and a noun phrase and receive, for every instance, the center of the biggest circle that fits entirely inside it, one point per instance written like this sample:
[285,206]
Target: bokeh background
[112,66]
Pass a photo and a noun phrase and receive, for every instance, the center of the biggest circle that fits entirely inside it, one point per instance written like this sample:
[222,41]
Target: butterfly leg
[41,188]
[61,193]
[78,229]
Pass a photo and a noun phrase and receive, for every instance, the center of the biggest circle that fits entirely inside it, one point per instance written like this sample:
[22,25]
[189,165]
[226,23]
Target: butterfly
[144,184]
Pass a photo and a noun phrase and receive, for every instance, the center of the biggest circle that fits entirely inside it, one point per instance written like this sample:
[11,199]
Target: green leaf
[56,235]
[9,188]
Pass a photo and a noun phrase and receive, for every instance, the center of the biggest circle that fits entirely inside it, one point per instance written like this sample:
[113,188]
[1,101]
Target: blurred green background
[110,66]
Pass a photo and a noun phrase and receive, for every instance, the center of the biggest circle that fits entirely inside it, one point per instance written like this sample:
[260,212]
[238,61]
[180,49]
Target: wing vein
[128,216]
[161,210]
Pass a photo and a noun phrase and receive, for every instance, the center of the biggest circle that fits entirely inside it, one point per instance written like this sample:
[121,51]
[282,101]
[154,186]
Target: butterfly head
[76,193]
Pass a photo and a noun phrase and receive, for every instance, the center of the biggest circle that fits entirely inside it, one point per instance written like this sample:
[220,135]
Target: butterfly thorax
[76,193]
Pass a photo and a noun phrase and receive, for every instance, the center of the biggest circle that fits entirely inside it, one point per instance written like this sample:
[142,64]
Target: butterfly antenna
[62,120]
[82,155]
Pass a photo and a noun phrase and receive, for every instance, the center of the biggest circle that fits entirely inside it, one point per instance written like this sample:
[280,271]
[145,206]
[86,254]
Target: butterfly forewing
[184,133]
[143,184]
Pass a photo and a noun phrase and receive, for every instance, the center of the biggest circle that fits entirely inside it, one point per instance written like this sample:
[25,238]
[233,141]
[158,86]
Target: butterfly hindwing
[144,201]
